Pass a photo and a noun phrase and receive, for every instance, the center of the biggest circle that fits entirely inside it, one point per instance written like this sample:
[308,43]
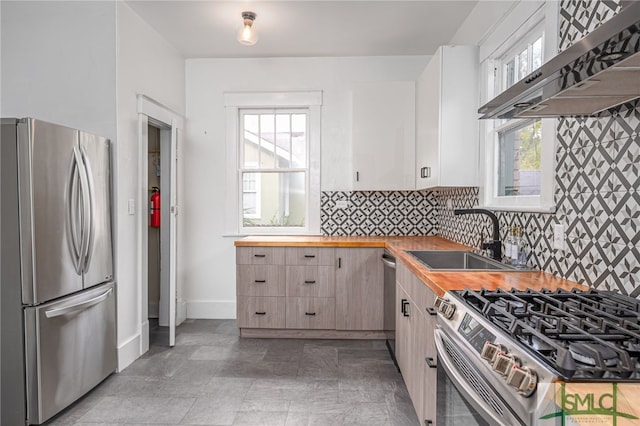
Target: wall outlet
[132,206]
[342,204]
[558,236]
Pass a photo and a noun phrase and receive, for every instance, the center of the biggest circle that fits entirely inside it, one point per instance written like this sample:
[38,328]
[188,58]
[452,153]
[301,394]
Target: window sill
[522,209]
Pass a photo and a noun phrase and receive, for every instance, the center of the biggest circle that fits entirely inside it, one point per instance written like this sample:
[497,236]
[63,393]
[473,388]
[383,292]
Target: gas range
[512,353]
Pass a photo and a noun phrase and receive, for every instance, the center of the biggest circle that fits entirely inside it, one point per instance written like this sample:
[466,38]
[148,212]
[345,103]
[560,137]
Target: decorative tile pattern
[378,213]
[596,189]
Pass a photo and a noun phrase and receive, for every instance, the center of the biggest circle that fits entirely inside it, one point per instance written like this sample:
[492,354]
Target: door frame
[171,124]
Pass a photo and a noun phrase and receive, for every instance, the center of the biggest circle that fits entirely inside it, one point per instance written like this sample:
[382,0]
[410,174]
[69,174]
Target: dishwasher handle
[388,261]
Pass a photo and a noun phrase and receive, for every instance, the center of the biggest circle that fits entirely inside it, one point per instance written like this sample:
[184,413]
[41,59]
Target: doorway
[161,308]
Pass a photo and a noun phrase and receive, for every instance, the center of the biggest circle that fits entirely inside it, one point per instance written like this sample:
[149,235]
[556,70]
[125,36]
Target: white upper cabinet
[447,119]
[383,138]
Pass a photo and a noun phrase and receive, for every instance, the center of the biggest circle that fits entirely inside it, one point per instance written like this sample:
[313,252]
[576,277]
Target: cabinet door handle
[311,314]
[428,423]
[259,255]
[310,256]
[310,282]
[432,311]
[357,176]
[425,172]
[261,313]
[339,262]
[405,305]
[261,281]
[431,362]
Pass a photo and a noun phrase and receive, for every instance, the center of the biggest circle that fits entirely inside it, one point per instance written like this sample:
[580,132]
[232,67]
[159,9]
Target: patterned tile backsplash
[597,194]
[378,213]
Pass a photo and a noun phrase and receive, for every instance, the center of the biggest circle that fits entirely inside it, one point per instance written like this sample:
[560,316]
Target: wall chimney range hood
[591,78]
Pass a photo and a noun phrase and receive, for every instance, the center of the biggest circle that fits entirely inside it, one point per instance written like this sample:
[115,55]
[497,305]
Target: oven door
[464,398]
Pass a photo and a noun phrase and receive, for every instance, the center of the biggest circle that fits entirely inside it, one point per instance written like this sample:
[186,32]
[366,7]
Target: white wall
[58,63]
[208,271]
[147,64]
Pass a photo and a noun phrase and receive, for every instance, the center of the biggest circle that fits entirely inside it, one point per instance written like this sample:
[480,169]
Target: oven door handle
[466,390]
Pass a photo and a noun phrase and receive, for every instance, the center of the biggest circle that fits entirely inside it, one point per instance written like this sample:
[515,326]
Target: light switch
[132,206]
[558,236]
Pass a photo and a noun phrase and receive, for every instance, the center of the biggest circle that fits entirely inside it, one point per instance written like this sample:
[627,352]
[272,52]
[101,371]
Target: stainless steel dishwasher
[389,263]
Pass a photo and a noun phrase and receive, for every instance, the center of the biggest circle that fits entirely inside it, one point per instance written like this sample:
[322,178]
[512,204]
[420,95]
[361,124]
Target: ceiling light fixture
[247,34]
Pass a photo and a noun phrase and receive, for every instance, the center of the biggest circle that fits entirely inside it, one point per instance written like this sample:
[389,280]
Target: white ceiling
[208,29]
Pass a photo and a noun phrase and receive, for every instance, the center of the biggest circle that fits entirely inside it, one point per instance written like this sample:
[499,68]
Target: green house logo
[601,404]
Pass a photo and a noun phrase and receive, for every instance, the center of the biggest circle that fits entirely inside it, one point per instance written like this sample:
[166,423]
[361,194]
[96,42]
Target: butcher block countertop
[438,281]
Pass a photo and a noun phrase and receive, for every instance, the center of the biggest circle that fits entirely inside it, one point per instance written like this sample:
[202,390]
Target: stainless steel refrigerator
[58,295]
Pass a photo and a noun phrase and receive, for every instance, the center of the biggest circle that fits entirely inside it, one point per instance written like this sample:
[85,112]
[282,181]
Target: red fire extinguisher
[154,211]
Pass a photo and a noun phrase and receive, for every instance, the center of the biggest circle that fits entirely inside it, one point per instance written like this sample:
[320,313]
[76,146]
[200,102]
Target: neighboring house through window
[519,153]
[276,150]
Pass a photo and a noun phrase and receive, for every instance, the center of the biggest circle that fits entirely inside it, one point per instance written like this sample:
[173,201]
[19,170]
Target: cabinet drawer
[260,280]
[311,313]
[311,281]
[311,256]
[260,255]
[261,312]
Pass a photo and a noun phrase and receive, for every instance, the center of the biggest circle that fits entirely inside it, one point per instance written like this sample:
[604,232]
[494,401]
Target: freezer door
[71,347]
[48,182]
[97,259]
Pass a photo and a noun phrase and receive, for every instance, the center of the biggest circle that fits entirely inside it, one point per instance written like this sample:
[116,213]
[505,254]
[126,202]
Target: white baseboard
[129,351]
[211,309]
[144,337]
[181,311]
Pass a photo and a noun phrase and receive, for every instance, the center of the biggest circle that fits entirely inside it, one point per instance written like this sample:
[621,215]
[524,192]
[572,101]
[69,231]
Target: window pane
[283,140]
[281,199]
[299,140]
[536,54]
[267,141]
[510,73]
[519,160]
[523,64]
[251,140]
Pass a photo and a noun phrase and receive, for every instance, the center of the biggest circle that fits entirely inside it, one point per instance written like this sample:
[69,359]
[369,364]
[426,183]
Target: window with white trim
[520,153]
[273,143]
[274,167]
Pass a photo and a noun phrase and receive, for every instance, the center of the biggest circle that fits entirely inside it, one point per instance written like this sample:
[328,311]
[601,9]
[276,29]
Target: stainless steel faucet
[495,245]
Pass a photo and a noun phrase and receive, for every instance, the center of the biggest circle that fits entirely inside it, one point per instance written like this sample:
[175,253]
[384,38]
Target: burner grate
[550,323]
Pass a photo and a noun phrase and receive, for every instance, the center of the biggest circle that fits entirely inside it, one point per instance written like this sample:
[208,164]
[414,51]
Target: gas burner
[515,306]
[590,353]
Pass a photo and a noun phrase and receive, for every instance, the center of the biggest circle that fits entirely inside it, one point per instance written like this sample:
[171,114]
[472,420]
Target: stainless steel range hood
[590,78]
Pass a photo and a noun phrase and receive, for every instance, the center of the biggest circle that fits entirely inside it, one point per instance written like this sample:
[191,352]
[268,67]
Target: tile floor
[212,377]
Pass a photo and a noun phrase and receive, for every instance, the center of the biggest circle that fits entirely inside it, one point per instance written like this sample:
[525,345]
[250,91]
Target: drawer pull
[310,256]
[428,423]
[431,362]
[261,313]
[261,281]
[432,311]
[405,305]
[311,314]
[259,255]
[310,281]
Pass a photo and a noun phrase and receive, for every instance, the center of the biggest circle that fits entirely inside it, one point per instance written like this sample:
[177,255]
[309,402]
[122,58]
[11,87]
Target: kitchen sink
[452,260]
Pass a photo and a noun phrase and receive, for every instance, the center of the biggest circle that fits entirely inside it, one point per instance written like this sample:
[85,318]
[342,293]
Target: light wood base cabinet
[328,291]
[415,346]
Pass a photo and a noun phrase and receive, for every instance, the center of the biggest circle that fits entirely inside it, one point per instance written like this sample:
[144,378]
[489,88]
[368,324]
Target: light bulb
[247,34]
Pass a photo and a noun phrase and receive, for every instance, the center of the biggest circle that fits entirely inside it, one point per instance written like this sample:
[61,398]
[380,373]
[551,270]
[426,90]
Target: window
[520,153]
[273,148]
[273,167]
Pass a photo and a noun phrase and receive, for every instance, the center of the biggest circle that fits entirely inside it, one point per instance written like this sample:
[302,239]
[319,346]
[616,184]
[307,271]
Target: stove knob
[523,379]
[504,363]
[491,350]
[445,307]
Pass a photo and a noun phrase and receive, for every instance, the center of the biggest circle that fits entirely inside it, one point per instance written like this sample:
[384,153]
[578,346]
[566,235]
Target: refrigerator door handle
[72,214]
[51,313]
[89,208]
[85,211]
